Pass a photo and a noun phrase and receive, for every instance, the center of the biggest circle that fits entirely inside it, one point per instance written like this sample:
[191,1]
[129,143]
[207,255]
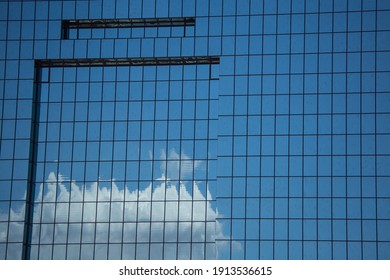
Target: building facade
[172,129]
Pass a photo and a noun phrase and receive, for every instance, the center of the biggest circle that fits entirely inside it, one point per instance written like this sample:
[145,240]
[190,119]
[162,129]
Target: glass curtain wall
[287,153]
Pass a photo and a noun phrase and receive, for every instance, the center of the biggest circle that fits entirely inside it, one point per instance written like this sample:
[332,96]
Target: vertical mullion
[153,162]
[289,133]
[232,156]
[303,126]
[3,105]
[41,203]
[101,15]
[101,101]
[361,133]
[139,161]
[205,247]
[59,160]
[99,160]
[346,135]
[274,130]
[247,136]
[144,27]
[115,16]
[194,149]
[30,192]
[35,117]
[85,163]
[166,168]
[125,187]
[75,15]
[111,179]
[64,29]
[71,161]
[180,164]
[152,152]
[65,35]
[209,140]
[317,120]
[12,161]
[193,169]
[332,134]
[14,135]
[261,125]
[376,133]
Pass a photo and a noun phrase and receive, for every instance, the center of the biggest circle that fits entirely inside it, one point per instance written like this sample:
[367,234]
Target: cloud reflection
[169,213]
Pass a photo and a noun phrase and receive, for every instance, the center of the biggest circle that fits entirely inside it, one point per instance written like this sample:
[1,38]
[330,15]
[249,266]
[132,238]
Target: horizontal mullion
[128,23]
[152,61]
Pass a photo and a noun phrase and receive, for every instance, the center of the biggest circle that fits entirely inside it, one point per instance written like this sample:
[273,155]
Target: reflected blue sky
[285,142]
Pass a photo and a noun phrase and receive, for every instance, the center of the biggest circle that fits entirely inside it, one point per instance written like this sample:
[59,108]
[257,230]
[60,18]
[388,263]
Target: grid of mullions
[303,131]
[124,163]
[332,54]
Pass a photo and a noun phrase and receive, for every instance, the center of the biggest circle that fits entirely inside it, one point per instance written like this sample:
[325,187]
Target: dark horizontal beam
[124,23]
[152,61]
[128,23]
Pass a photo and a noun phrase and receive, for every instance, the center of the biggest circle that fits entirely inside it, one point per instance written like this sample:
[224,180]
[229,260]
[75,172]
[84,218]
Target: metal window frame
[93,62]
[124,23]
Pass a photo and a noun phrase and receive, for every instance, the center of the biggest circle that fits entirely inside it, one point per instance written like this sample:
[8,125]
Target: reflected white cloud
[101,213]
[178,165]
[185,219]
